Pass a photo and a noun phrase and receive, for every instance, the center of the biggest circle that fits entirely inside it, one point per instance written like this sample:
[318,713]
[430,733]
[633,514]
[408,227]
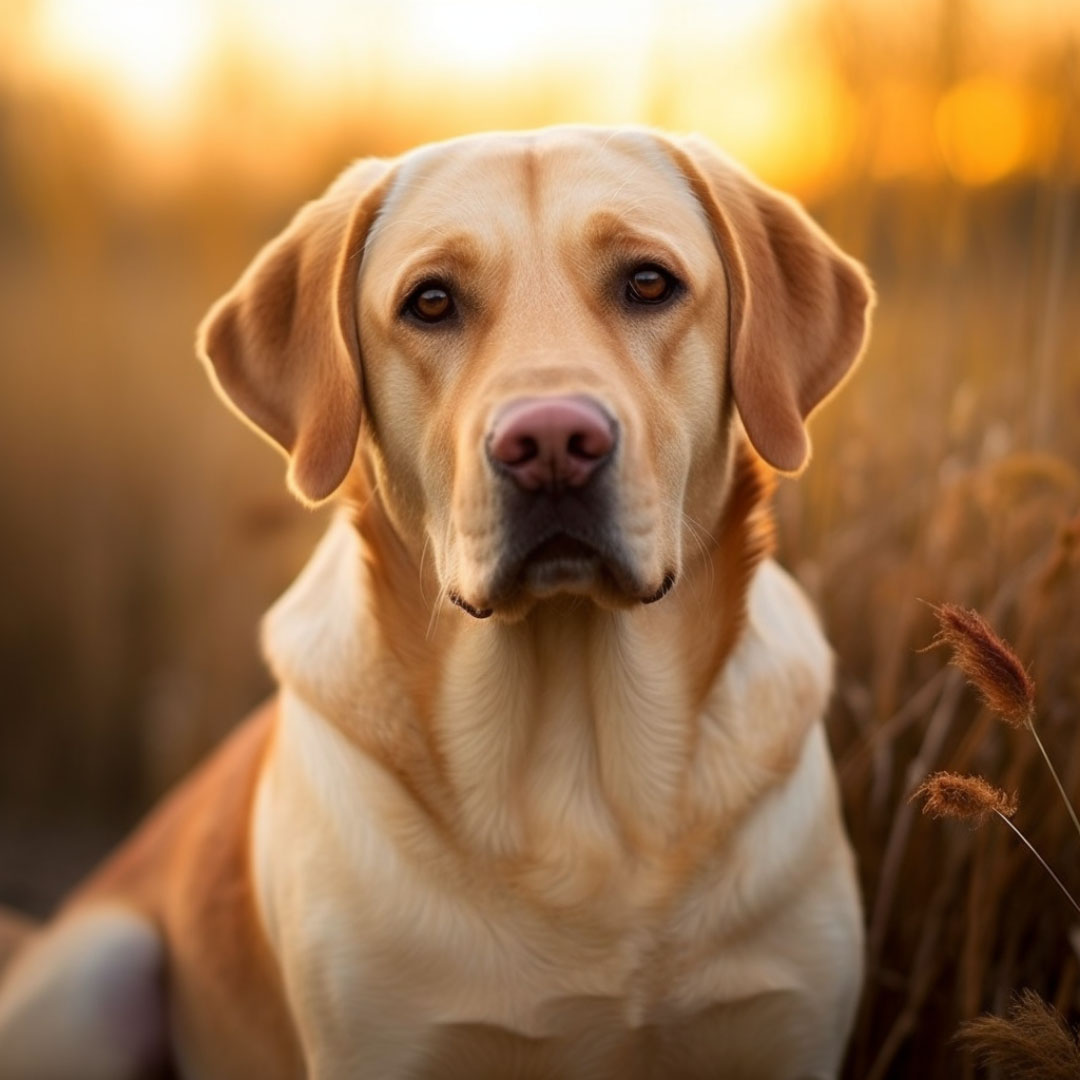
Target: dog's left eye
[430,302]
[649,284]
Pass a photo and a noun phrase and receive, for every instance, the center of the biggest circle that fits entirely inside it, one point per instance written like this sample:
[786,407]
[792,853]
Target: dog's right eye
[430,302]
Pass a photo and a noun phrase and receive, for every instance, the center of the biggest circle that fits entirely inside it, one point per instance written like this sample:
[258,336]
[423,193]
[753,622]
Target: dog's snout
[551,442]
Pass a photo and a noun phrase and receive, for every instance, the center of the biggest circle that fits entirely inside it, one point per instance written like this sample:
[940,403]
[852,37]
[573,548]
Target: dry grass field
[143,531]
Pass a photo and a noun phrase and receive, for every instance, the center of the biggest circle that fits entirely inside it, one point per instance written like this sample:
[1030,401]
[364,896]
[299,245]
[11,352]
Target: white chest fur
[628,902]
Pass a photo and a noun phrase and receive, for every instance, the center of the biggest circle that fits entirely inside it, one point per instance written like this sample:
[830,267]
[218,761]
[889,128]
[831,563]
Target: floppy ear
[282,346]
[798,307]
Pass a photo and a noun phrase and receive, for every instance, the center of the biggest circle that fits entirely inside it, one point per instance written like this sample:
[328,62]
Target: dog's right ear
[283,345]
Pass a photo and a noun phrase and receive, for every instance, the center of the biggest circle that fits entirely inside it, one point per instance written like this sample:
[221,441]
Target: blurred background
[148,147]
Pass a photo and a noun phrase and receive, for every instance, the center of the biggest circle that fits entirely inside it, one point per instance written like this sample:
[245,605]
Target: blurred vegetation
[144,531]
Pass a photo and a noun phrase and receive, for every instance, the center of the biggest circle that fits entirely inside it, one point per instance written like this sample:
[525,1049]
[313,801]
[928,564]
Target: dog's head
[536,344]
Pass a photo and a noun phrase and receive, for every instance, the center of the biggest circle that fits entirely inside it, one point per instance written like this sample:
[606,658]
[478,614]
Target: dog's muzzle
[553,459]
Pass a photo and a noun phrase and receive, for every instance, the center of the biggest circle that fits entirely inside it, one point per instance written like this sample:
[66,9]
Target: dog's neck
[575,723]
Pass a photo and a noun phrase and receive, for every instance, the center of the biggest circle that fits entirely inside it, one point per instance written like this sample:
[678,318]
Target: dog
[545,791]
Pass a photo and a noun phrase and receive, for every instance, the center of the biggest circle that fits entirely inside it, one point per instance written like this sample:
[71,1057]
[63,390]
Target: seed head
[967,798]
[1034,1043]
[989,663]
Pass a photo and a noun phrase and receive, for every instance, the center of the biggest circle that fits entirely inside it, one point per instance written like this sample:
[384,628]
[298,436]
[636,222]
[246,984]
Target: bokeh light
[983,129]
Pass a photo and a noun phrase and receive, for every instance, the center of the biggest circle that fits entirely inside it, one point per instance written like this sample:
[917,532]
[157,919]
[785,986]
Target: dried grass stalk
[992,667]
[966,798]
[1033,1043]
[988,662]
[973,799]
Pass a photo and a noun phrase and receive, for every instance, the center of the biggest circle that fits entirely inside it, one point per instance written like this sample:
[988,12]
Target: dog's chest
[568,938]
[418,983]
[458,944]
[428,965]
[449,985]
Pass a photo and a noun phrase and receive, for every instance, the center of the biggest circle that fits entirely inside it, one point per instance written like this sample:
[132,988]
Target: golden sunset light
[593,298]
[755,76]
[146,56]
[155,54]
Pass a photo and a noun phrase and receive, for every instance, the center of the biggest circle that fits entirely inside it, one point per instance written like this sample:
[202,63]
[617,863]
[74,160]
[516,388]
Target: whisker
[695,532]
[423,554]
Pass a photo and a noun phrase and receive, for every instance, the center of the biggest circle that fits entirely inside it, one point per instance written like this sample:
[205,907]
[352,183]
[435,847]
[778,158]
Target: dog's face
[543,326]
[545,337]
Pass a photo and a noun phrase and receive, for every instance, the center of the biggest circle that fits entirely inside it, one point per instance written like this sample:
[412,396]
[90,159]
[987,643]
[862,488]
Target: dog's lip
[470,609]
[665,587]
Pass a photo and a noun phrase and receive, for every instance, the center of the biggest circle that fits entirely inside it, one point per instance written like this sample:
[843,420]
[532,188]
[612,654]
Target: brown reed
[973,799]
[988,662]
[1032,1043]
[965,798]
[996,672]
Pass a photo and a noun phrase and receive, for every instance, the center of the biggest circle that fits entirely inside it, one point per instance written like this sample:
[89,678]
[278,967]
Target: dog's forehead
[499,183]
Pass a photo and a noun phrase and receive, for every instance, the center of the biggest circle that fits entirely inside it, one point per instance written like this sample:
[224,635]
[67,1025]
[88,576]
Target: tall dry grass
[143,531]
[1033,1041]
[932,481]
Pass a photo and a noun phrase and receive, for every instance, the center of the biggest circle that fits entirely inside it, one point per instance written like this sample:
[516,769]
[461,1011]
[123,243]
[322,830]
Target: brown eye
[649,285]
[430,303]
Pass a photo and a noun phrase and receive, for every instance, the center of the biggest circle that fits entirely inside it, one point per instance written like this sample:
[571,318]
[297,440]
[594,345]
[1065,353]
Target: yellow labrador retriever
[545,792]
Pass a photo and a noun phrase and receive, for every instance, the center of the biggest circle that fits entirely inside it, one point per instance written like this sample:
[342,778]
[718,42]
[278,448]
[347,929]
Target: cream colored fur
[752,967]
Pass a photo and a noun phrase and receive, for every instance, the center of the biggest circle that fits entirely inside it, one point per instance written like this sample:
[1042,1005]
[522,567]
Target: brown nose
[551,442]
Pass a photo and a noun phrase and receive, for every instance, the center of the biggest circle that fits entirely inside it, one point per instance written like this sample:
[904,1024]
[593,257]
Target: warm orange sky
[153,52]
[757,76]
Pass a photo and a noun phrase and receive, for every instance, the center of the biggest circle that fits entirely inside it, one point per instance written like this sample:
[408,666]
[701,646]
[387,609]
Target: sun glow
[154,51]
[264,77]
[147,52]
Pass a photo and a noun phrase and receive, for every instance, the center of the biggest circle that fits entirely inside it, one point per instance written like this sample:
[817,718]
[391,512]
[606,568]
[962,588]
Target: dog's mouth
[565,542]
[562,556]
[562,547]
[564,561]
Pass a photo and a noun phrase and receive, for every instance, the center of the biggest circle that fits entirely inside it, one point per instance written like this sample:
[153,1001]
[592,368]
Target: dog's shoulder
[782,618]
[781,669]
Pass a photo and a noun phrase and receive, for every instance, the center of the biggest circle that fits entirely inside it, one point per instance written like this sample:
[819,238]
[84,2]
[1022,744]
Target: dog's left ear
[282,346]
[798,307]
